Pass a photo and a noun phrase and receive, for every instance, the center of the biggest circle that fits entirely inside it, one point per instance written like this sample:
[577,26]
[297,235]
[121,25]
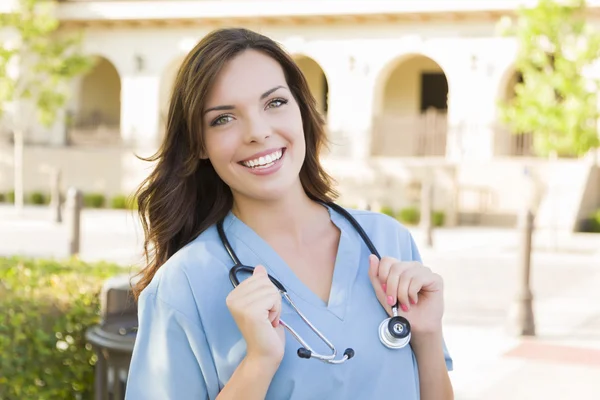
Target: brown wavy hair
[183,195]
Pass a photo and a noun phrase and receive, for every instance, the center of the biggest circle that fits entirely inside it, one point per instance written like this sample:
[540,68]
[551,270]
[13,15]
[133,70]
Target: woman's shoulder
[196,264]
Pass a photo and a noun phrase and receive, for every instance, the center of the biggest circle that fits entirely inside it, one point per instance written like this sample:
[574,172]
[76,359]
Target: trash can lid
[118,334]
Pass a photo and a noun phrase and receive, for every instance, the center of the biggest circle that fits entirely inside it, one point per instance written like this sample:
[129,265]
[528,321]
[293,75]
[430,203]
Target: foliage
[94,200]
[409,215]
[387,211]
[557,99]
[47,306]
[46,58]
[123,202]
[39,198]
[592,224]
[438,218]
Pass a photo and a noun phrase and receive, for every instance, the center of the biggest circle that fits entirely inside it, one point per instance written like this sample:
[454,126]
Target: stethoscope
[394,332]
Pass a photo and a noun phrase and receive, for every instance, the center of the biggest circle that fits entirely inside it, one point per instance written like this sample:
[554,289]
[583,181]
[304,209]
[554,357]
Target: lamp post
[522,319]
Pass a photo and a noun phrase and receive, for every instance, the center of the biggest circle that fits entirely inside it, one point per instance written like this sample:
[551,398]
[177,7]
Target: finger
[259,270]
[373,268]
[415,286]
[257,279]
[405,281]
[385,265]
[275,312]
[393,282]
[266,304]
[252,293]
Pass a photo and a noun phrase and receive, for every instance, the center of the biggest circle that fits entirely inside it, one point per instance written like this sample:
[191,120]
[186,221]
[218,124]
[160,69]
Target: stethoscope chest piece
[394,332]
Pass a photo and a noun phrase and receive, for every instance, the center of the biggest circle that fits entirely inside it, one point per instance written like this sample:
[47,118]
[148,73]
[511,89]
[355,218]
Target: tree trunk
[18,170]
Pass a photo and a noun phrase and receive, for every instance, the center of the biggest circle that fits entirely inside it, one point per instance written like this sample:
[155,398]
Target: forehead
[246,77]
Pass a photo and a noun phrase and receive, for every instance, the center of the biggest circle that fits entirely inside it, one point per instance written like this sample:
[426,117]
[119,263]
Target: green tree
[557,100]
[37,62]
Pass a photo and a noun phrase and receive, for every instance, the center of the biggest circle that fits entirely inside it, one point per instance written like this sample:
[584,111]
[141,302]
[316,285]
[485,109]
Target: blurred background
[474,123]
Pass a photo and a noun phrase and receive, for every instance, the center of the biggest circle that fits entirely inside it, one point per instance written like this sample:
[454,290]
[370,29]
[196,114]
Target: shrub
[387,211]
[94,200]
[592,224]
[10,197]
[438,218]
[2,197]
[123,203]
[409,216]
[46,308]
[38,198]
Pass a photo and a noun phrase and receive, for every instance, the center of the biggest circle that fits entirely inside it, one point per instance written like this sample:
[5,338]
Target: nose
[257,129]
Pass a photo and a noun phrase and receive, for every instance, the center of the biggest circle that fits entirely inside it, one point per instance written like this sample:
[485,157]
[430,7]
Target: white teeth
[264,161]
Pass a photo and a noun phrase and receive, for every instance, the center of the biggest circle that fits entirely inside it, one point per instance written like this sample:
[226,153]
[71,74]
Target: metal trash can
[113,339]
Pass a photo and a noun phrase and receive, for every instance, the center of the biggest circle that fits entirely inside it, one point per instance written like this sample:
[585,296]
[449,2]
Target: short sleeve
[416,256]
[168,355]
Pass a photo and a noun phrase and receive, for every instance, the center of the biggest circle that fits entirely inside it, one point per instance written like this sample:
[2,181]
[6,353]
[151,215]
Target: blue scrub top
[188,345]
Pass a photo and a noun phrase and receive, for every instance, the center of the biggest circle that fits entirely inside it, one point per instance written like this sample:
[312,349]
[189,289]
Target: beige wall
[107,170]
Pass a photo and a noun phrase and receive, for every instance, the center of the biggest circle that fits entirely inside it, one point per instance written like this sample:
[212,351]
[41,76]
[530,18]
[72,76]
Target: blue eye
[221,120]
[276,103]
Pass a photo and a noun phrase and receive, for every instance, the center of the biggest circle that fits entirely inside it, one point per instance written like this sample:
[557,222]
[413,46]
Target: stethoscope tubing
[306,351]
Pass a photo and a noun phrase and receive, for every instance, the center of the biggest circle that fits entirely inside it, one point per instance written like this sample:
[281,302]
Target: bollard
[55,201]
[426,210]
[73,210]
[522,321]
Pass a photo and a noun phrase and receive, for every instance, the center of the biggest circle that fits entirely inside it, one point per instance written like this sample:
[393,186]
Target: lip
[269,170]
[262,153]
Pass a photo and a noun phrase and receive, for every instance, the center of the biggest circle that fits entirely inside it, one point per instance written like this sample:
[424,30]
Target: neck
[292,217]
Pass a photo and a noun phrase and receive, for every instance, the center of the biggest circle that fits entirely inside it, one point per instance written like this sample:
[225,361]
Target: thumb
[373,266]
[259,270]
[373,275]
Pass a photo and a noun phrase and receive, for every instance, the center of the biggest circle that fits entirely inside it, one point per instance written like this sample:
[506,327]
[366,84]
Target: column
[351,108]
[140,109]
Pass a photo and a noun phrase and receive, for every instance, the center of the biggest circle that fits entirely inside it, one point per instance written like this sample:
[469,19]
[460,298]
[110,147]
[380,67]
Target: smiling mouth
[264,161]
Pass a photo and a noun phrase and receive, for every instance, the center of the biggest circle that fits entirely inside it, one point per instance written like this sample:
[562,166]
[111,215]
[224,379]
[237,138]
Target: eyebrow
[228,107]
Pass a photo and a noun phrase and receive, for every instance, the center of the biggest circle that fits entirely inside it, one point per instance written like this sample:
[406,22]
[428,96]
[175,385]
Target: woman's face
[253,129]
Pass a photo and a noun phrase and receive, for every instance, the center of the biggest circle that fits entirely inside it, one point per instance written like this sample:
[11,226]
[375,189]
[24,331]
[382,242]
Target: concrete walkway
[480,269]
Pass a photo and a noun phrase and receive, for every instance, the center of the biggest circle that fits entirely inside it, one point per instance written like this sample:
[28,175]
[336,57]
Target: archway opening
[317,81]
[411,114]
[96,116]
[509,143]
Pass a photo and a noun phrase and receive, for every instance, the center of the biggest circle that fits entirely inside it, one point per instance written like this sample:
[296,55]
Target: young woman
[242,152]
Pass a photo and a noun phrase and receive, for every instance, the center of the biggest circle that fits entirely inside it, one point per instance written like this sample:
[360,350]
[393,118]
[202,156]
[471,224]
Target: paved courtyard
[480,268]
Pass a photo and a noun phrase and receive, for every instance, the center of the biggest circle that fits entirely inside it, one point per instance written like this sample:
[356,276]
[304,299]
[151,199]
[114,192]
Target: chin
[269,191]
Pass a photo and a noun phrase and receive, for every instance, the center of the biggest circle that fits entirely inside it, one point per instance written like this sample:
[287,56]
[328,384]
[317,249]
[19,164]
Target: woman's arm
[250,380]
[433,373]
[170,357]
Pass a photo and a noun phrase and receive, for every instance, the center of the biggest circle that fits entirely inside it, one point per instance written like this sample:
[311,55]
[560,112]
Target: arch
[96,116]
[410,110]
[167,80]
[506,142]
[317,81]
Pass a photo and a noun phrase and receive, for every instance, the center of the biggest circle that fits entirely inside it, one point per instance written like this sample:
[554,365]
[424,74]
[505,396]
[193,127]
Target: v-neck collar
[345,269]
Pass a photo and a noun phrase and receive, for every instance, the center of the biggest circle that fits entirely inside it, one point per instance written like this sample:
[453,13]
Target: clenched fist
[417,289]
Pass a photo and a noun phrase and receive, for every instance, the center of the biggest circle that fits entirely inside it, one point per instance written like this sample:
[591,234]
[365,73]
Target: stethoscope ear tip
[304,353]
[349,353]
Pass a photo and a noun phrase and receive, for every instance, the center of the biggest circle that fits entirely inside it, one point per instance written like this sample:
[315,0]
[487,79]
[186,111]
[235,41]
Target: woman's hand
[418,290]
[255,305]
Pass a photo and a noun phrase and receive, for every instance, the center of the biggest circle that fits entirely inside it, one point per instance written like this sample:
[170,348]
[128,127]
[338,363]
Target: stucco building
[408,88]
